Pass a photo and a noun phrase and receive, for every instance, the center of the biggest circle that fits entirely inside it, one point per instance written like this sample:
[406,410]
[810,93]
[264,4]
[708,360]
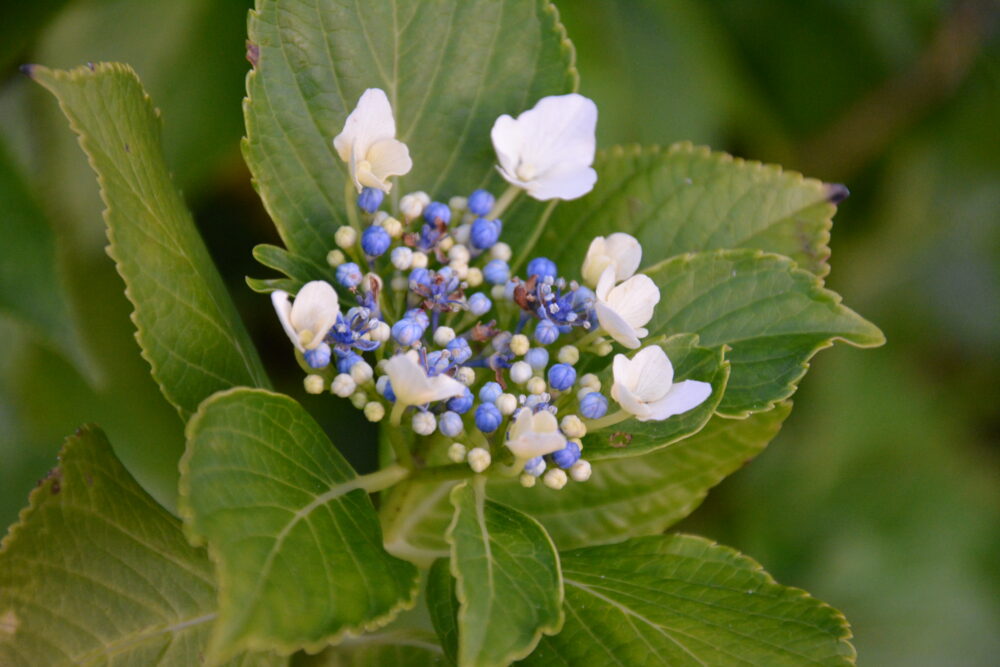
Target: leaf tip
[836,192]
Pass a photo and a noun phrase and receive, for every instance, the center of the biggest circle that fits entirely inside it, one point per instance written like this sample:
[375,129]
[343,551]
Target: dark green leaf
[773,316]
[644,495]
[449,68]
[508,583]
[97,573]
[443,606]
[295,537]
[186,324]
[682,600]
[392,648]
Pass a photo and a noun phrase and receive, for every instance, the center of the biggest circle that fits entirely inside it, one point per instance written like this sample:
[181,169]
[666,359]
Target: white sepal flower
[535,434]
[368,143]
[412,385]
[624,310]
[619,250]
[644,386]
[549,150]
[311,316]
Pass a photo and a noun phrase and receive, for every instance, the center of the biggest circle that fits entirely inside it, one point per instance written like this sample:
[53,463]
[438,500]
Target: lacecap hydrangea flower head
[430,326]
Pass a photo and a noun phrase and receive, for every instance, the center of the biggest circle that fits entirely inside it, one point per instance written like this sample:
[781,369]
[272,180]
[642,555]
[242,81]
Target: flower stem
[588,339]
[352,211]
[606,421]
[383,479]
[396,439]
[506,199]
[536,234]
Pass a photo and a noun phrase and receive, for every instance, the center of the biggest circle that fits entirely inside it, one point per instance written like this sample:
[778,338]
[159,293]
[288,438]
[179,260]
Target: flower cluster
[449,337]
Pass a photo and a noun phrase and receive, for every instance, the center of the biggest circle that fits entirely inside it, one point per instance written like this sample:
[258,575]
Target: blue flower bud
[420,316]
[407,331]
[450,424]
[318,357]
[496,272]
[480,202]
[583,298]
[543,267]
[490,392]
[488,417]
[370,199]
[594,405]
[375,241]
[562,376]
[460,350]
[535,466]
[461,404]
[537,358]
[420,276]
[546,332]
[437,211]
[349,275]
[508,290]
[567,456]
[386,389]
[484,233]
[479,304]
[346,362]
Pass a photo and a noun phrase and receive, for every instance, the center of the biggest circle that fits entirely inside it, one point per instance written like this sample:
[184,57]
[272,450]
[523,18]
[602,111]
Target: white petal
[595,261]
[635,299]
[629,402]
[605,283]
[370,121]
[652,374]
[560,129]
[563,185]
[314,311]
[682,397]
[535,434]
[412,386]
[444,386]
[283,307]
[506,136]
[616,326]
[389,157]
[626,253]
[544,422]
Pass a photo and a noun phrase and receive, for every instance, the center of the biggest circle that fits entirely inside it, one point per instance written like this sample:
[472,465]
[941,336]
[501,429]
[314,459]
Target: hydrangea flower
[624,310]
[311,316]
[644,386]
[549,149]
[535,434]
[413,386]
[620,251]
[369,146]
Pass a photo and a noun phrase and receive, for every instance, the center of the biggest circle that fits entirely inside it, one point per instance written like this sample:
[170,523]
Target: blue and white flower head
[311,316]
[549,149]
[619,250]
[412,385]
[535,434]
[369,146]
[624,310]
[645,387]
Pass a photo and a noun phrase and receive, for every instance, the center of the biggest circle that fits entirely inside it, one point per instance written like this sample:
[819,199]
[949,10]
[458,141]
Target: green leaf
[644,495]
[30,286]
[449,68]
[508,583]
[682,600]
[186,324]
[96,572]
[774,317]
[690,362]
[443,606]
[398,648]
[294,535]
[416,533]
[689,199]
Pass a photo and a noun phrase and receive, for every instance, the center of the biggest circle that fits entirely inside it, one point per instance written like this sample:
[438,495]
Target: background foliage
[879,494]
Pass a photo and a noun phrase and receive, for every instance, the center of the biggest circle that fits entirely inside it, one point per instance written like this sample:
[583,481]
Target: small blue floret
[568,455]
[461,404]
[375,241]
[543,267]
[537,358]
[420,316]
[437,211]
[594,405]
[485,233]
[488,417]
[490,392]
[407,331]
[318,357]
[546,332]
[450,424]
[460,350]
[349,275]
[535,466]
[496,272]
[479,304]
[562,376]
[370,199]
[346,362]
[480,202]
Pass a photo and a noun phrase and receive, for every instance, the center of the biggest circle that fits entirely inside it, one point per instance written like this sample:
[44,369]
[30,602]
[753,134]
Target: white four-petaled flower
[535,434]
[311,316]
[368,143]
[625,309]
[549,150]
[644,386]
[411,384]
[619,250]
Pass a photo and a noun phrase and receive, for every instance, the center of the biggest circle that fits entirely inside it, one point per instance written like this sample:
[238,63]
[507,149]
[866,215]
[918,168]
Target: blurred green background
[881,494]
